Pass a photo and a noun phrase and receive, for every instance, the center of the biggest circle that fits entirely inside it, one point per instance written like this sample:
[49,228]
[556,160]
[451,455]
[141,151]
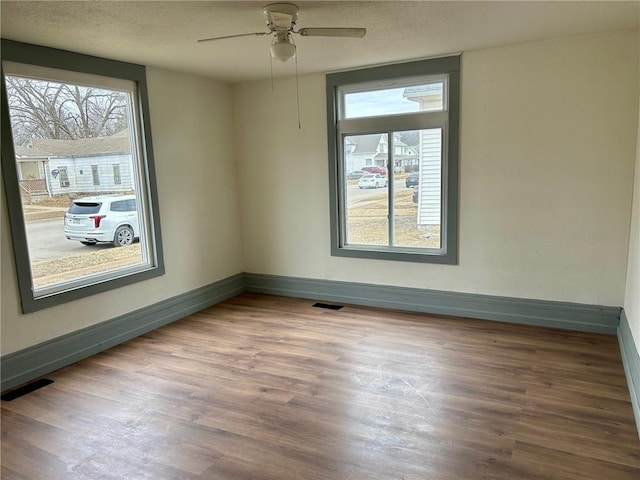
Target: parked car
[103,219]
[416,191]
[412,179]
[372,180]
[356,174]
[379,170]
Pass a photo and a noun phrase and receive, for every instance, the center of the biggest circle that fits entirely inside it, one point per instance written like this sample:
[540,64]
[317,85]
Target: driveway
[357,195]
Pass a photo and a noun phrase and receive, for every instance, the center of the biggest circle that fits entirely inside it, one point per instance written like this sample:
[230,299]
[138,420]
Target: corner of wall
[631,362]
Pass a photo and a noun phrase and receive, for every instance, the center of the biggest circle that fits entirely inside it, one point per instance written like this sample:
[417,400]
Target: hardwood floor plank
[271,388]
[537,427]
[7,474]
[542,463]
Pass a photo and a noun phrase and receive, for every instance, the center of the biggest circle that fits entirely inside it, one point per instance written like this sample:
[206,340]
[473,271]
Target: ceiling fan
[281,21]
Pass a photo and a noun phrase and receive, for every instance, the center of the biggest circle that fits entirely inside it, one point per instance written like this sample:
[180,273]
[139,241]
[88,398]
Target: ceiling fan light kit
[282,48]
[281,21]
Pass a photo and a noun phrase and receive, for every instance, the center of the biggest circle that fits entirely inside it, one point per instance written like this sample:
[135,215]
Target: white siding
[81,178]
[430,177]
[55,164]
[356,161]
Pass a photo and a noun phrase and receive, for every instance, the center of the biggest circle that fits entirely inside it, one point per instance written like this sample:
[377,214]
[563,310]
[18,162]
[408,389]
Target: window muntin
[387,223]
[57,70]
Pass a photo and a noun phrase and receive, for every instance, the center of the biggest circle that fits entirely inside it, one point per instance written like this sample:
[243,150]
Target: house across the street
[49,167]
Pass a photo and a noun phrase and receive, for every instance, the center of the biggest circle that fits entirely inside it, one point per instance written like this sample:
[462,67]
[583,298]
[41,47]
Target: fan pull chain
[298,93]
[271,65]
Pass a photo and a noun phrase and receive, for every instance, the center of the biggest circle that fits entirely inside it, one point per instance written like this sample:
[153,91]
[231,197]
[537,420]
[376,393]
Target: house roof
[366,143]
[421,90]
[118,143]
[31,152]
[370,143]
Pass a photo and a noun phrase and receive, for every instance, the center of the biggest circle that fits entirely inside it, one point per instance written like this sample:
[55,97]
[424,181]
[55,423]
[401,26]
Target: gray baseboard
[631,362]
[32,362]
[572,316]
[46,357]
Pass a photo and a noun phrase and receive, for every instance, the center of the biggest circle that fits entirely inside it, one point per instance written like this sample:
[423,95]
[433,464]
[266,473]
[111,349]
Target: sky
[384,102]
[381,102]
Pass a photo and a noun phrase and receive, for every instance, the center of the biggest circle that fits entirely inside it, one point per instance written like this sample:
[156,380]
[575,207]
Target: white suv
[105,218]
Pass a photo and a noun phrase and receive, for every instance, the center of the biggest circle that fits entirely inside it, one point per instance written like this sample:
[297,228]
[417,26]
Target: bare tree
[43,109]
[411,137]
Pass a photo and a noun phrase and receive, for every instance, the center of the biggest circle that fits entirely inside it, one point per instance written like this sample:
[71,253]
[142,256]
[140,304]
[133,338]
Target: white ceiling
[163,34]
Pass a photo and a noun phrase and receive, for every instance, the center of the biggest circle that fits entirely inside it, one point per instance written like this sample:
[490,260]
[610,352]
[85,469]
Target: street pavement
[47,241]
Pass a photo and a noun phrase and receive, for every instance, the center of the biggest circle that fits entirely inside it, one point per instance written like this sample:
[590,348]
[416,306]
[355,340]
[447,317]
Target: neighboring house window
[413,108]
[117,179]
[95,174]
[77,106]
[63,176]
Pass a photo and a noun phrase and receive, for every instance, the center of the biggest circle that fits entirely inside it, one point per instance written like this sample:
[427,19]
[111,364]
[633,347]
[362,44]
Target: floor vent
[23,390]
[327,305]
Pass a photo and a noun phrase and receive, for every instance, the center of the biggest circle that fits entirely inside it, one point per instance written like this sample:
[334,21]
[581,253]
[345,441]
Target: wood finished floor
[270,388]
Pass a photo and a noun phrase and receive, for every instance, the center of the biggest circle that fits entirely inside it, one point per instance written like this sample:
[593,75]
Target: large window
[393,148]
[70,118]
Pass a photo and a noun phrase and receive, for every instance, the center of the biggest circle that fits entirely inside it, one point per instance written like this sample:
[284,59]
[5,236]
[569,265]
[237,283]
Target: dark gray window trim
[65,60]
[449,65]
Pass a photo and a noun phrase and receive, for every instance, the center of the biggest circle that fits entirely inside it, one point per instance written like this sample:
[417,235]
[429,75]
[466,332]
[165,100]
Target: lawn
[96,260]
[367,224]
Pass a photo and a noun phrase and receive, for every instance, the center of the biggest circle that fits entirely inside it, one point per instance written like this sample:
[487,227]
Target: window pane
[95,174]
[116,175]
[67,137]
[417,198]
[390,101]
[366,198]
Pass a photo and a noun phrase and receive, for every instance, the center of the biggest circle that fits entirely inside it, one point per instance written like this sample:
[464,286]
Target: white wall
[191,120]
[548,140]
[632,293]
[282,172]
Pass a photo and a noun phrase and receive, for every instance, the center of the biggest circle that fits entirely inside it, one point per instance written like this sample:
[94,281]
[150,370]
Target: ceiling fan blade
[233,36]
[332,32]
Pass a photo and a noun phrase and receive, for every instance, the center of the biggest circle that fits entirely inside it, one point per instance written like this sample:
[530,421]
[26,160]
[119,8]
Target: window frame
[354,80]
[63,183]
[84,64]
